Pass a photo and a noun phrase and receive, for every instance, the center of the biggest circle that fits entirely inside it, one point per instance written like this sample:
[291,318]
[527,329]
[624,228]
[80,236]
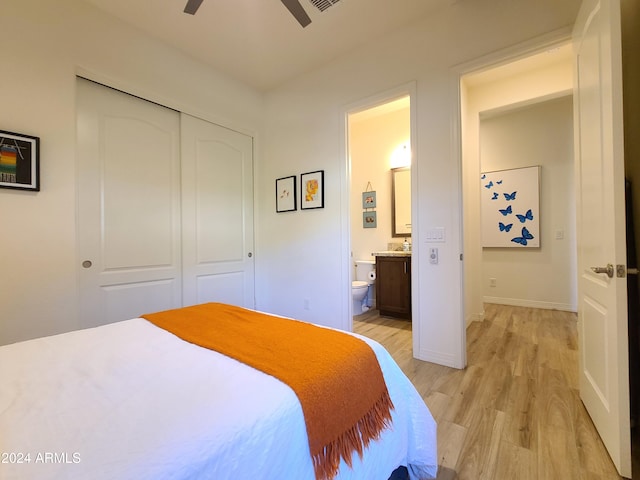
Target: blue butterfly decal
[499,182]
[483,176]
[526,235]
[525,217]
[495,196]
[489,185]
[505,228]
[506,211]
[510,196]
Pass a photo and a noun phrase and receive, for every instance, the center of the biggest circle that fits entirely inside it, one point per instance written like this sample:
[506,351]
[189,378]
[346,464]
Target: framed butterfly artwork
[510,207]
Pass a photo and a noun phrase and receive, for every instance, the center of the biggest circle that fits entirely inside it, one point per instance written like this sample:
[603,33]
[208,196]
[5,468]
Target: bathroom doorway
[378,145]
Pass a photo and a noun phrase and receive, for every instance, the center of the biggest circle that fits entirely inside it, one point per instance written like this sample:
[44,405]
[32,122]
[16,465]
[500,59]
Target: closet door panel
[137,193]
[217,214]
[222,287]
[128,205]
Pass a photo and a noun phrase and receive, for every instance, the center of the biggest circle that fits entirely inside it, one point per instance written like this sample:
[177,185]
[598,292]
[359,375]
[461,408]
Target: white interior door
[128,205]
[217,214]
[602,320]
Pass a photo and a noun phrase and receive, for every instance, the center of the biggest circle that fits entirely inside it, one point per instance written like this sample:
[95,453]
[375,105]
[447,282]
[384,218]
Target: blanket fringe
[326,463]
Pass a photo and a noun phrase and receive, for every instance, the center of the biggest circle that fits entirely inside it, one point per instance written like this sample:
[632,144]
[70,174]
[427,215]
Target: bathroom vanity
[393,283]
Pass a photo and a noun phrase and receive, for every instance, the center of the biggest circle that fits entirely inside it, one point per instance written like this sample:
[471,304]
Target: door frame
[473,253]
[407,89]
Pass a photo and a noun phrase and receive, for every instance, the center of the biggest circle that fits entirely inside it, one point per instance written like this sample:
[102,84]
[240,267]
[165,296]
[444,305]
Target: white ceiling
[258,42]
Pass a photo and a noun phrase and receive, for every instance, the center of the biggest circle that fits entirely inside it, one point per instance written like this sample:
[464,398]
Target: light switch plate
[435,234]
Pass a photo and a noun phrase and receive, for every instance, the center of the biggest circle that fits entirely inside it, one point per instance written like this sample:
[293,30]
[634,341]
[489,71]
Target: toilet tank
[363,269]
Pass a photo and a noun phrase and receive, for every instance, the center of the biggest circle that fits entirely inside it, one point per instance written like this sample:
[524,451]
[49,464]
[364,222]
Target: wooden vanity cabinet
[393,286]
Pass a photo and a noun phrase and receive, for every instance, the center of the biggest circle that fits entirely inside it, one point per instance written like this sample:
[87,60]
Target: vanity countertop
[391,253]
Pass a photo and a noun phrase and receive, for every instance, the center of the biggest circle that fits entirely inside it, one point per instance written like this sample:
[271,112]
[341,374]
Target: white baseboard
[474,317]
[517,302]
[439,358]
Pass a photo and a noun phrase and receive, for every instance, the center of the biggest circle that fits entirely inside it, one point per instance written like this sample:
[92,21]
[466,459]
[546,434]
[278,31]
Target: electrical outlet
[306,304]
[492,282]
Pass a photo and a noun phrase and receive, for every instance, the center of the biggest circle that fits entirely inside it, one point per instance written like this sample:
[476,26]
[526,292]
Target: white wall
[372,142]
[306,255]
[553,80]
[538,134]
[45,45]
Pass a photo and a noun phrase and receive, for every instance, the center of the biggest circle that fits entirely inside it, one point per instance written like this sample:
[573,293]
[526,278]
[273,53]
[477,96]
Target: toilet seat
[359,284]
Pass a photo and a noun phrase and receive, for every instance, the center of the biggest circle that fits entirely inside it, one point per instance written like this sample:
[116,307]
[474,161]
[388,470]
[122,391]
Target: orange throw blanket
[336,376]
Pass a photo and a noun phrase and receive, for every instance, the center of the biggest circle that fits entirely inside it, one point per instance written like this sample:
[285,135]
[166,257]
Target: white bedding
[132,401]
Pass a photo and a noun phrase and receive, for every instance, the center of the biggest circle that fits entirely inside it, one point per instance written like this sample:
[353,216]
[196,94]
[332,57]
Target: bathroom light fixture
[401,156]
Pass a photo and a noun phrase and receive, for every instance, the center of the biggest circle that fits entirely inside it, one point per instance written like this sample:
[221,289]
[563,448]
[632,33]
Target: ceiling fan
[292,5]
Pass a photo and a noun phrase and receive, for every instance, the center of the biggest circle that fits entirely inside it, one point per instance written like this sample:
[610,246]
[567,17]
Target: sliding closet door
[128,205]
[217,214]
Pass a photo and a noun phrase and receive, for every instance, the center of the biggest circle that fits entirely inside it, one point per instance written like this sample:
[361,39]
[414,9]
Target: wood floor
[514,412]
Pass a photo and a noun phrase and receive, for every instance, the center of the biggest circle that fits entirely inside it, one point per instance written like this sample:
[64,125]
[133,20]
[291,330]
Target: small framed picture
[19,161]
[369,220]
[368,199]
[286,194]
[312,190]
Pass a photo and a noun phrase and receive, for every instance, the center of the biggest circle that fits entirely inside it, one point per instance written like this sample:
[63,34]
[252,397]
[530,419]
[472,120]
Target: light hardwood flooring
[515,411]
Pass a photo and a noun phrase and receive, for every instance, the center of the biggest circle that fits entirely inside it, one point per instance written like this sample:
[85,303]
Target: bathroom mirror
[401,202]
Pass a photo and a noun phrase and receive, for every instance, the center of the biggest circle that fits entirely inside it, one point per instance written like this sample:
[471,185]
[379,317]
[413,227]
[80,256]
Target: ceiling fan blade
[297,11]
[192,6]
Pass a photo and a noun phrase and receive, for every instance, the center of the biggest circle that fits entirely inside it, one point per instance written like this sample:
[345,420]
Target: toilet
[362,286]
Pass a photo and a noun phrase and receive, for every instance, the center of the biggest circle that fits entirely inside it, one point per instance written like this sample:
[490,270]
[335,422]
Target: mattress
[130,400]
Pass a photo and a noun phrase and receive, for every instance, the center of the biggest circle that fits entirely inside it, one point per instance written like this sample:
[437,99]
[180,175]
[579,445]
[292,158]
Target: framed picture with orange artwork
[312,190]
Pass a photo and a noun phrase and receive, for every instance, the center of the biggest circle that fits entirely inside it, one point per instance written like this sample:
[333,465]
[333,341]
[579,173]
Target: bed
[131,400]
